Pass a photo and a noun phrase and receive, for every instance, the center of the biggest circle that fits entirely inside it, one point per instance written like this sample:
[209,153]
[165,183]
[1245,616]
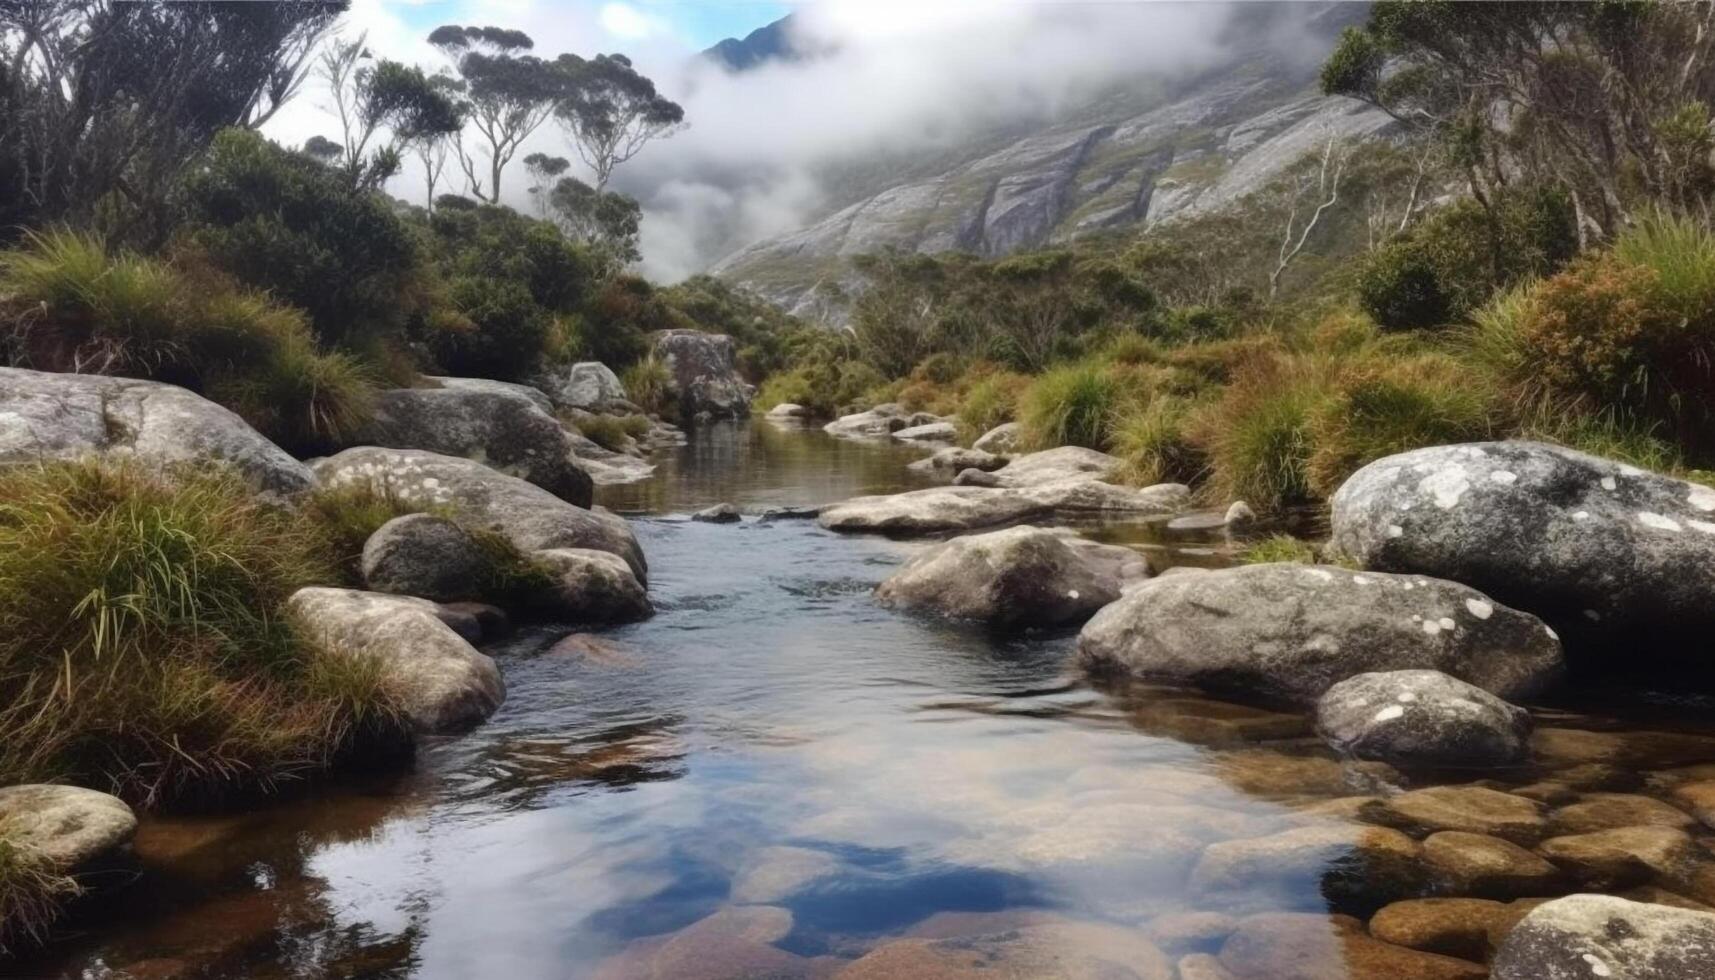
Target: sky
[899,75]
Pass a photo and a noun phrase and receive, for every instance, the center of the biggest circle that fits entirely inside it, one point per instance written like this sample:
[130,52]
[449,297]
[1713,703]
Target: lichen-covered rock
[1582,937]
[1022,576]
[1287,632]
[591,587]
[703,373]
[953,459]
[67,827]
[1589,544]
[443,684]
[589,385]
[426,556]
[479,497]
[502,429]
[876,423]
[537,397]
[1001,440]
[789,410]
[47,416]
[938,509]
[1422,718]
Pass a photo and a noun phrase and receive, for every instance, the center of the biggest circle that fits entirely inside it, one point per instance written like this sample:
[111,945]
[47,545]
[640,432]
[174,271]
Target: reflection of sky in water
[771,733]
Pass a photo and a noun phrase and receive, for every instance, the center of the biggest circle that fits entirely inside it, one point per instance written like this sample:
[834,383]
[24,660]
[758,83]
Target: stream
[771,777]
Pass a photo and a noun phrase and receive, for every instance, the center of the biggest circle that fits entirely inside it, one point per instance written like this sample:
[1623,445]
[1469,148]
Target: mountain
[1150,151]
[761,46]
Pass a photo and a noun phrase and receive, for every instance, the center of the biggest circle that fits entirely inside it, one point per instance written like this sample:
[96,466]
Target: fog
[885,77]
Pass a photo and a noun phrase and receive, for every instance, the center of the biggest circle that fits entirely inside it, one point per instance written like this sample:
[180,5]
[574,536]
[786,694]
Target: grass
[343,518]
[991,401]
[1071,406]
[613,432]
[1155,442]
[142,646]
[1279,548]
[72,305]
[31,896]
[649,385]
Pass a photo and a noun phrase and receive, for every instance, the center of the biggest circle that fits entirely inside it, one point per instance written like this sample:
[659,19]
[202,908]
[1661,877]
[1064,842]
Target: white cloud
[627,23]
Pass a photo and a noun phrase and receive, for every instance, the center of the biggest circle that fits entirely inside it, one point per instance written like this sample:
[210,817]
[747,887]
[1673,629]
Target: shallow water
[650,797]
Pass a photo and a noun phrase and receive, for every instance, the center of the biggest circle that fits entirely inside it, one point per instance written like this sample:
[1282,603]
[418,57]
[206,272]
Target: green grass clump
[989,402]
[72,305]
[1071,406]
[613,432]
[1154,440]
[343,518]
[31,896]
[1278,548]
[1258,435]
[649,385]
[143,648]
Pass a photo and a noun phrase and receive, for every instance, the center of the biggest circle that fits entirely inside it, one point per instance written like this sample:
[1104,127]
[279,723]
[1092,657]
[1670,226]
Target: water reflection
[776,777]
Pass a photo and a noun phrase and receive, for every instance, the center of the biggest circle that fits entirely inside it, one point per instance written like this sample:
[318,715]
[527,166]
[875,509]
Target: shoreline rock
[938,509]
[1422,718]
[703,372]
[1604,936]
[1022,576]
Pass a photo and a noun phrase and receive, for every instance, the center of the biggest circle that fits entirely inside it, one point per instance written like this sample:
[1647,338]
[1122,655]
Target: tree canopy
[611,111]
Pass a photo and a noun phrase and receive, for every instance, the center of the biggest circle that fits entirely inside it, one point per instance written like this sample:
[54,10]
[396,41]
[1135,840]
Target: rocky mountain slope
[1150,152]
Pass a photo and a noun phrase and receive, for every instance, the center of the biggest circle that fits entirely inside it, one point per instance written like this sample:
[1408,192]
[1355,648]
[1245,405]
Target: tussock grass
[991,401]
[74,306]
[142,646]
[649,385]
[1279,548]
[613,432]
[31,896]
[1155,441]
[1074,405]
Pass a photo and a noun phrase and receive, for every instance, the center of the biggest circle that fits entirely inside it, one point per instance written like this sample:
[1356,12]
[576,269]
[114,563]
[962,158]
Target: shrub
[502,333]
[142,646]
[824,388]
[613,431]
[649,385]
[1398,287]
[1071,406]
[76,307]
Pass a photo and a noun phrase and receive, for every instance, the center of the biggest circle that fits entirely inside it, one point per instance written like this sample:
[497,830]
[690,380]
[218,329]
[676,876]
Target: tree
[604,220]
[371,98]
[543,169]
[1602,99]
[433,148]
[507,96]
[611,111]
[104,103]
[1322,177]
[322,149]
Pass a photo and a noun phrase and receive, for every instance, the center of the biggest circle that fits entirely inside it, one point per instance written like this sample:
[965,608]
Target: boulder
[1069,951]
[703,374]
[1057,465]
[607,467]
[537,397]
[588,385]
[1022,576]
[444,685]
[718,514]
[505,430]
[532,518]
[1472,809]
[876,423]
[1002,439]
[1623,856]
[1592,936]
[1307,946]
[591,587]
[1287,632]
[1464,863]
[1351,864]
[71,416]
[1607,811]
[426,556]
[940,509]
[1422,718]
[928,432]
[1450,926]
[67,827]
[1590,545]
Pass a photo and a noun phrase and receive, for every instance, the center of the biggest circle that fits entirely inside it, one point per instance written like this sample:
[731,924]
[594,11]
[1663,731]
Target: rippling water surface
[769,778]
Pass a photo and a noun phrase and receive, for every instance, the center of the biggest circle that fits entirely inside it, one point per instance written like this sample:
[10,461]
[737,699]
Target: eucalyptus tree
[384,103]
[508,94]
[611,111]
[543,170]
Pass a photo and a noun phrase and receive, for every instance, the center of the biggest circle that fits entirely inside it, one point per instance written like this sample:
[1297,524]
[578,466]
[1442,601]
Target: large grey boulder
[703,372]
[47,416]
[1022,576]
[64,826]
[537,397]
[591,587]
[444,685]
[589,385]
[964,508]
[1581,937]
[1057,465]
[426,556]
[1591,545]
[531,518]
[1005,438]
[1287,632]
[1422,718]
[605,466]
[956,460]
[505,430]
[879,422]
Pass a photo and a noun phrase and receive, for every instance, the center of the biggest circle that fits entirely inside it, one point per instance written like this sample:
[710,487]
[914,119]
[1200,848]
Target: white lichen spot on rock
[1446,485]
[1406,697]
[1360,580]
[1609,483]
[1505,478]
[1389,713]
[1431,627]
[1658,521]
[1704,526]
[1626,469]
[1479,608]
[1320,574]
[1582,515]
[1597,967]
[1071,593]
[1551,634]
[1701,498]
[1447,623]
[1394,530]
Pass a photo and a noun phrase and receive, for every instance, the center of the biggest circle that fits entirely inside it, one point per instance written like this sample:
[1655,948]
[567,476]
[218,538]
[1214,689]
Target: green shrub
[502,333]
[1258,433]
[143,648]
[649,385]
[1399,287]
[613,432]
[1071,406]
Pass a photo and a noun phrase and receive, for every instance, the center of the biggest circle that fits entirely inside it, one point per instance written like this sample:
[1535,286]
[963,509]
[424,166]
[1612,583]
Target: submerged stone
[1307,946]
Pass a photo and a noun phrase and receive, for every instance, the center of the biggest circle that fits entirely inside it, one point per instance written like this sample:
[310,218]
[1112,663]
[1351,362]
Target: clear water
[771,722]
